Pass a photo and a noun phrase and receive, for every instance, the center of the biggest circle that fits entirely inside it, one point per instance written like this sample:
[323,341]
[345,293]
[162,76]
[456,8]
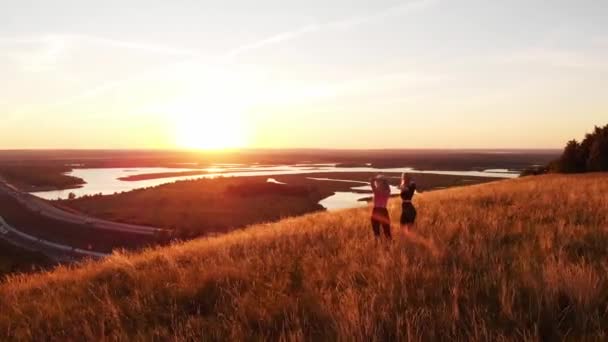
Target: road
[55,251]
[46,209]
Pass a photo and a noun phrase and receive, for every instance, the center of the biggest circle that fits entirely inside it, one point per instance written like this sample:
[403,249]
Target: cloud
[391,12]
[412,80]
[550,52]
[34,54]
[557,58]
[272,40]
[341,24]
[50,55]
[146,47]
[44,52]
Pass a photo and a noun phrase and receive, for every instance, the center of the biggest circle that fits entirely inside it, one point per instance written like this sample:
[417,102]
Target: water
[274,181]
[344,200]
[106,181]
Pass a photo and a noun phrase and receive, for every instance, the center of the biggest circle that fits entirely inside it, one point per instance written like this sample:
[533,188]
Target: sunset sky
[316,73]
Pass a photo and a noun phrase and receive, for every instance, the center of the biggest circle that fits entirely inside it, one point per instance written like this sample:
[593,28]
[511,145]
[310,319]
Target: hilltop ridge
[515,259]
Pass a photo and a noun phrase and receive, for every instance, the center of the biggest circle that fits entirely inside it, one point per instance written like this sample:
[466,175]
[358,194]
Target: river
[106,180]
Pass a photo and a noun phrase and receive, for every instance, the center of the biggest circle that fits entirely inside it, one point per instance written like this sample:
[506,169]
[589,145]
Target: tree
[586,144]
[71,196]
[571,160]
[597,159]
[588,156]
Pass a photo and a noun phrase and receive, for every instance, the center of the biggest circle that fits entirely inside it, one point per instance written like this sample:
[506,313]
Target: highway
[55,251]
[46,209]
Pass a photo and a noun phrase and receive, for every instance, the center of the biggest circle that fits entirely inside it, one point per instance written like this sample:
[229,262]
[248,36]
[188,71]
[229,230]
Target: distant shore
[34,189]
[148,176]
[40,177]
[161,175]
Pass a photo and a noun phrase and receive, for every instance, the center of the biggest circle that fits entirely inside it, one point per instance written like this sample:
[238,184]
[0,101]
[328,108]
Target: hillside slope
[517,259]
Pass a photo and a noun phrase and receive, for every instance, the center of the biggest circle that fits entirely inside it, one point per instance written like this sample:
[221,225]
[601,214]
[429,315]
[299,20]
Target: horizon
[290,149]
[387,75]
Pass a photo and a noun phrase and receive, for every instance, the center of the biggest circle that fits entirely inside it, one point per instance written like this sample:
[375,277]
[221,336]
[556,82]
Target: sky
[310,74]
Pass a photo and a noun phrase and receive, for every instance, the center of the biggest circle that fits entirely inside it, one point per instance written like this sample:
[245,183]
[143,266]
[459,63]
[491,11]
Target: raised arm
[401,186]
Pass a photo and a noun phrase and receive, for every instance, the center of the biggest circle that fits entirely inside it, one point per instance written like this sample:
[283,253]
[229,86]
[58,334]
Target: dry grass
[523,259]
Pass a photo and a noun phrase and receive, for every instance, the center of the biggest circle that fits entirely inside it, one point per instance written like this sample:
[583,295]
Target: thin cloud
[395,11]
[44,52]
[34,54]
[557,58]
[548,53]
[272,40]
[342,24]
[155,48]
[347,23]
[354,86]
[76,40]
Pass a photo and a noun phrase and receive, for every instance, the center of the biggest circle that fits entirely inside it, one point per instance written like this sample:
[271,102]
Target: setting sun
[211,114]
[210,129]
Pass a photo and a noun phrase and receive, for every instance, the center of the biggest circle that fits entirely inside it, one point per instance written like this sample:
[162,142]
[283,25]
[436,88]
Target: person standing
[408,211]
[380,216]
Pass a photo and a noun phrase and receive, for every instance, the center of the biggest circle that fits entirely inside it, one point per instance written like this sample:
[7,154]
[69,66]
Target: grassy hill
[523,259]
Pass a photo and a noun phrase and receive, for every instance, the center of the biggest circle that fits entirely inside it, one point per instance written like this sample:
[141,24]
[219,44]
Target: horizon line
[228,150]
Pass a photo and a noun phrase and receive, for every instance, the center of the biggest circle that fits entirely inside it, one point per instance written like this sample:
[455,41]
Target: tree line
[589,155]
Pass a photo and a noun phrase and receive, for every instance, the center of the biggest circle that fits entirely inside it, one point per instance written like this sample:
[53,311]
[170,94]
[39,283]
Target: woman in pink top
[382,192]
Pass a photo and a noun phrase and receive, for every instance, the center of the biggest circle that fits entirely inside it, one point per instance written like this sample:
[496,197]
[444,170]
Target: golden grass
[522,259]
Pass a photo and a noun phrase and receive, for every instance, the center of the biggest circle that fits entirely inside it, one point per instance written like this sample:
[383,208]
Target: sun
[210,112]
[209,123]
[210,129]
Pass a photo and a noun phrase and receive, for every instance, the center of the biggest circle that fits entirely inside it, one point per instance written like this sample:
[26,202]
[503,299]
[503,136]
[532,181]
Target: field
[523,259]
[194,208]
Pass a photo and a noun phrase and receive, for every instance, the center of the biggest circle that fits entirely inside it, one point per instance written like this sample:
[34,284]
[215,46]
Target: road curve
[55,251]
[46,209]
